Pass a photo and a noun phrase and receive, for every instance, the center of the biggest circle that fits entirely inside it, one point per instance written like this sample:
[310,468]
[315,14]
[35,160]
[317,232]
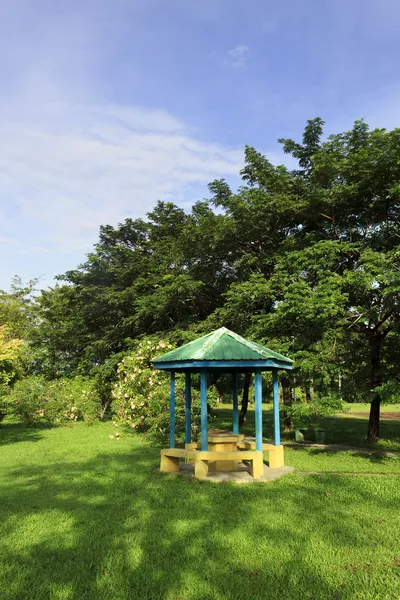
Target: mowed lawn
[85,516]
[348,428]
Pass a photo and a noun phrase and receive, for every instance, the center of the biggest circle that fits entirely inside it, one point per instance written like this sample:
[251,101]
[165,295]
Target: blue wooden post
[235,403]
[258,407]
[277,431]
[188,409]
[203,410]
[172,410]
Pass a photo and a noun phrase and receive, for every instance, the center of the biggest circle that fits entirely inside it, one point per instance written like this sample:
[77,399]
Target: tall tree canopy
[306,259]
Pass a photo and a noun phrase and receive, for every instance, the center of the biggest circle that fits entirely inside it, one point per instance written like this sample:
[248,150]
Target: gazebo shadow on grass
[116,530]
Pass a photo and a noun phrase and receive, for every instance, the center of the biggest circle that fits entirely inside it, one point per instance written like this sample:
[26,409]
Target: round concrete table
[223,441]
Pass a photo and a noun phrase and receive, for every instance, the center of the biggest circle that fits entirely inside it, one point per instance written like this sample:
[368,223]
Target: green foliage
[104,377]
[34,399]
[4,404]
[17,307]
[306,261]
[74,399]
[27,399]
[141,394]
[10,355]
[310,413]
[390,392]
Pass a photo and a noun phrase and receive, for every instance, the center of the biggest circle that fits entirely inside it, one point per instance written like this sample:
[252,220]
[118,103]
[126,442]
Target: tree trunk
[376,380]
[374,419]
[307,394]
[287,402]
[245,399]
[312,392]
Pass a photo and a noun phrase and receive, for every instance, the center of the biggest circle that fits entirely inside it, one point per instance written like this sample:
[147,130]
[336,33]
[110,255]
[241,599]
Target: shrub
[72,400]
[141,394]
[4,402]
[33,399]
[10,354]
[308,414]
[26,400]
[104,377]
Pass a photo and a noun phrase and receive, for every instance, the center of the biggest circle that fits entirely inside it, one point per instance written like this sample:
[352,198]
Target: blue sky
[109,105]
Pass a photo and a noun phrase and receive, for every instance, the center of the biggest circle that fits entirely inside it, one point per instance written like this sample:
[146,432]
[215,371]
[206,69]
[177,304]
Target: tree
[305,260]
[10,348]
[17,307]
[353,192]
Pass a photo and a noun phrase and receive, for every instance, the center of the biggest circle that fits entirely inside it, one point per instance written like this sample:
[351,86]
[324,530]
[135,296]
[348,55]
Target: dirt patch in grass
[389,416]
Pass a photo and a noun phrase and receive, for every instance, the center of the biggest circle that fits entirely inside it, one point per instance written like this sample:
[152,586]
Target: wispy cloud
[79,166]
[238,57]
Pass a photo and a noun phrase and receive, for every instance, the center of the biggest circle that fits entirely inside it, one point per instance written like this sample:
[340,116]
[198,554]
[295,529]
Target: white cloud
[238,57]
[76,167]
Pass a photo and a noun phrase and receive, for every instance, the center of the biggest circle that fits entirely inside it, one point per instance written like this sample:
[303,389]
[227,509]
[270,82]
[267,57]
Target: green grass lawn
[83,516]
[345,428]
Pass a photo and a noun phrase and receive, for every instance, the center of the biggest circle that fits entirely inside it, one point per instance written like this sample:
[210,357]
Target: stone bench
[201,458]
[275,453]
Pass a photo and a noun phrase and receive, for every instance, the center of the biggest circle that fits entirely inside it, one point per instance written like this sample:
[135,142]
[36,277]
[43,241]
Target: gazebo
[222,351]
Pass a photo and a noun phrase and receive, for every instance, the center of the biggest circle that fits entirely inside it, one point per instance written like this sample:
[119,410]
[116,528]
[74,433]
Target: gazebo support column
[188,409]
[172,410]
[258,408]
[276,458]
[203,410]
[235,403]
[277,432]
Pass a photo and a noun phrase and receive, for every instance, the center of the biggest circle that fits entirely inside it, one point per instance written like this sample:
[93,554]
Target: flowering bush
[71,400]
[33,399]
[141,394]
[10,355]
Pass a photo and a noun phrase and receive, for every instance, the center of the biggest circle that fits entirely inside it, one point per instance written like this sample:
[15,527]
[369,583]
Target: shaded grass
[340,461]
[343,428]
[83,516]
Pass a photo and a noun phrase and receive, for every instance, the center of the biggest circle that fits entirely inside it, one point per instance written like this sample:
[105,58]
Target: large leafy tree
[319,272]
[306,259]
[17,307]
[165,273]
[352,211]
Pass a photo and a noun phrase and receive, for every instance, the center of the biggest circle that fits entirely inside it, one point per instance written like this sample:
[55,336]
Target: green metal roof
[221,345]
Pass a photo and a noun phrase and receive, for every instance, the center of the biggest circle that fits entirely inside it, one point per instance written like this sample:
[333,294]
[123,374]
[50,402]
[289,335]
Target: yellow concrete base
[170,460]
[257,466]
[191,446]
[275,453]
[222,465]
[276,458]
[169,464]
[201,469]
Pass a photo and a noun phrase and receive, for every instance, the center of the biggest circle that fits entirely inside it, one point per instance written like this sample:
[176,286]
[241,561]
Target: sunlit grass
[83,516]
